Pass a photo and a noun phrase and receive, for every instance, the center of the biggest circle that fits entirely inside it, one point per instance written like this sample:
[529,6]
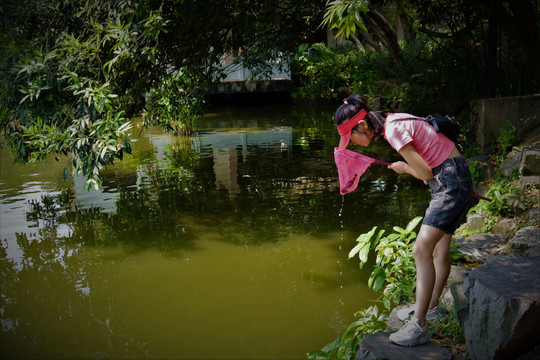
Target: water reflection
[229,244]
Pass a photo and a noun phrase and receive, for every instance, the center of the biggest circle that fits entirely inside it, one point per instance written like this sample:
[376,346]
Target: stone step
[378,346]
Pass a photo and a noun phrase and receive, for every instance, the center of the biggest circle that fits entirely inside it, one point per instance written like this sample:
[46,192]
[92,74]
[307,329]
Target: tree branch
[386,32]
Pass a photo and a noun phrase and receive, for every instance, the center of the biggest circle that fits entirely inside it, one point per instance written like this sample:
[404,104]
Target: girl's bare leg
[441,261]
[423,248]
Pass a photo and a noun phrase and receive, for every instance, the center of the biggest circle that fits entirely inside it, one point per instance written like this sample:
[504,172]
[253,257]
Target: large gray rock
[526,181]
[379,347]
[505,226]
[530,162]
[514,200]
[461,303]
[475,222]
[458,274]
[504,308]
[478,247]
[510,165]
[525,238]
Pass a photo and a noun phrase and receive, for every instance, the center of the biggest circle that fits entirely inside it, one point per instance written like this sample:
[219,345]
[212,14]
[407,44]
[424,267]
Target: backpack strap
[409,118]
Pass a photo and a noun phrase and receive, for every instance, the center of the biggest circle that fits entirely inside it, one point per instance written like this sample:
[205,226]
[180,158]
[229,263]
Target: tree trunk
[385,32]
[369,40]
[358,43]
[408,30]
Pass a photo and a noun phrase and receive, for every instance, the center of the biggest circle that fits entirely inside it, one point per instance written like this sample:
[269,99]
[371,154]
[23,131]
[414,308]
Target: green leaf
[414,222]
[355,249]
[318,355]
[378,282]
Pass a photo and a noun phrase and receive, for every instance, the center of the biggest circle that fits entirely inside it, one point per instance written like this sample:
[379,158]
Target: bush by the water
[423,80]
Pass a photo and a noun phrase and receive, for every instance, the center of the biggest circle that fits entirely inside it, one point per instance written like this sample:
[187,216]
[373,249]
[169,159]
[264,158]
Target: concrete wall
[492,115]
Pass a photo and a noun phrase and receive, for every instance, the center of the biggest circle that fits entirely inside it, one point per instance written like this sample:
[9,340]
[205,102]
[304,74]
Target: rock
[393,321]
[478,247]
[446,300]
[507,227]
[525,181]
[482,158]
[482,163]
[511,164]
[472,254]
[378,346]
[475,222]
[530,162]
[458,274]
[504,308]
[534,214]
[461,303]
[532,252]
[514,200]
[526,238]
[504,249]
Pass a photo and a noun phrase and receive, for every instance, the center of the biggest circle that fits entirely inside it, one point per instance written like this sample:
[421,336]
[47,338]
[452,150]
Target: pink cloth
[432,146]
[351,166]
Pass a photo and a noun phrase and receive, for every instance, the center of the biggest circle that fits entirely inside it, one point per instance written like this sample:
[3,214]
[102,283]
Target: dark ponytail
[352,105]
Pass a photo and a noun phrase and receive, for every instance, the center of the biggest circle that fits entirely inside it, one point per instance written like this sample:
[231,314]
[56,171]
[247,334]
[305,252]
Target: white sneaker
[435,314]
[410,334]
[432,315]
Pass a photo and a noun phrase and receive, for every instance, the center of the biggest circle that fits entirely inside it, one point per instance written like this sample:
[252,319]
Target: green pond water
[229,244]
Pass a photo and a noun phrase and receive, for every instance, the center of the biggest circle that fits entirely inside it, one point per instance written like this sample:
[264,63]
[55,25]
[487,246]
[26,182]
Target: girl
[432,157]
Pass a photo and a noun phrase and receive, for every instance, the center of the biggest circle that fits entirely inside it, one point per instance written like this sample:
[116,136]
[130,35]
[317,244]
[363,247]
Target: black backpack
[445,124]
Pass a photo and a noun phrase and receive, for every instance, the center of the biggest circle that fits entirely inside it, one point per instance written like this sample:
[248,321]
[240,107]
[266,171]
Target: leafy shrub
[322,71]
[394,266]
[394,263]
[499,206]
[176,101]
[346,346]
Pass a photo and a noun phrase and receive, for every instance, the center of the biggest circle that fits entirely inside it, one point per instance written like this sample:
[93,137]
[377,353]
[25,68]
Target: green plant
[503,145]
[506,138]
[176,101]
[476,172]
[447,328]
[394,264]
[345,346]
[322,71]
[497,208]
[497,192]
[455,255]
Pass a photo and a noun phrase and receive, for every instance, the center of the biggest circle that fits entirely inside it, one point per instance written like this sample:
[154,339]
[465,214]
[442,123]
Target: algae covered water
[231,243]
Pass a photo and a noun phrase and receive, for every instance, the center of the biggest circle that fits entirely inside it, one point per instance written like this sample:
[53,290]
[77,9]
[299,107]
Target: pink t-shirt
[432,146]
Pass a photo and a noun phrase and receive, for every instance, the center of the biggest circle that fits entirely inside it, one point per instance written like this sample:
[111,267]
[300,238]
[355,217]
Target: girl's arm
[414,165]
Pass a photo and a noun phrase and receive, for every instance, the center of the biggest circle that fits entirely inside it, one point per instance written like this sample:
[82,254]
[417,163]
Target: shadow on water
[234,237]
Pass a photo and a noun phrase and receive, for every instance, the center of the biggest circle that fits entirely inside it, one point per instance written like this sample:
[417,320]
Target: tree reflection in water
[168,201]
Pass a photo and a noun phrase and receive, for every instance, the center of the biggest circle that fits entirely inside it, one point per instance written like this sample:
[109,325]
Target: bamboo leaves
[345,16]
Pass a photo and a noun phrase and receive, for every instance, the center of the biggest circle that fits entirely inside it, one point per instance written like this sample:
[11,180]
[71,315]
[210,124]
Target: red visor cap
[345,129]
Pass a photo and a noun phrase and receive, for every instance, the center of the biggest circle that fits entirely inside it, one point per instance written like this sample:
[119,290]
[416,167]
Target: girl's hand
[399,166]
[415,165]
